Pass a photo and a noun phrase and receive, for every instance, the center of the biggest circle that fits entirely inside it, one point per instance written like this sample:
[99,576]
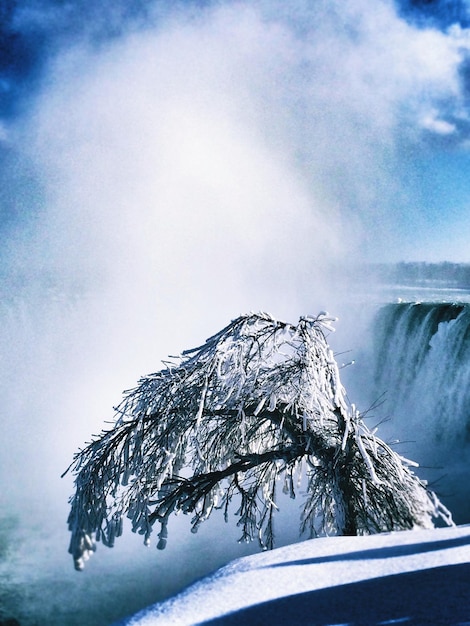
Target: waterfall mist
[237,157]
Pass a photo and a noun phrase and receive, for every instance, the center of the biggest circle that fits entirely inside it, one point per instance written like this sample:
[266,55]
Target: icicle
[440,510]
[407,461]
[111,533]
[168,463]
[241,417]
[291,486]
[229,393]
[367,460]
[285,487]
[364,493]
[272,402]
[260,406]
[125,452]
[163,536]
[125,476]
[199,451]
[119,526]
[202,402]
[219,366]
[345,435]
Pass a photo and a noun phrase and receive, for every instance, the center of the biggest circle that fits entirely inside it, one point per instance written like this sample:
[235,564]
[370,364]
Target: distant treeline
[455,275]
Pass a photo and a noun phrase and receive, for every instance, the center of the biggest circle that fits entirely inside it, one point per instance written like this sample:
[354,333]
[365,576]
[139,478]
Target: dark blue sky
[32,30]
[437,13]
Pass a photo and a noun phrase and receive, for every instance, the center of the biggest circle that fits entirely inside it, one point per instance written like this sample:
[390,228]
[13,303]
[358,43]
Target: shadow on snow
[435,596]
[382,552]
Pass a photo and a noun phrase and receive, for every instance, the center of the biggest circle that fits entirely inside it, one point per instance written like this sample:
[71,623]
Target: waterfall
[421,362]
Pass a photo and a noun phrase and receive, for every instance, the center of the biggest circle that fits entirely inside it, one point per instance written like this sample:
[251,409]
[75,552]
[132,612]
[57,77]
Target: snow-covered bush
[260,401]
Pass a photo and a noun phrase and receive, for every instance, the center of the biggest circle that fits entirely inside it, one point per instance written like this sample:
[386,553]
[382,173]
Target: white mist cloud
[317,100]
[221,162]
[161,162]
[172,201]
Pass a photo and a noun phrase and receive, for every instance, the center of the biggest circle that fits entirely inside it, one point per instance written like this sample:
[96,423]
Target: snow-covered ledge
[408,577]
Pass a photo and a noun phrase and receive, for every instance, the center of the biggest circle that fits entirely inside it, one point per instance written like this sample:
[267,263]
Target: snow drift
[409,577]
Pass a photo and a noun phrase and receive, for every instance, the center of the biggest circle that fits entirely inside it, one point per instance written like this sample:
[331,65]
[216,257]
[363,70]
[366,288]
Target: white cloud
[432,123]
[234,159]
[231,158]
[321,97]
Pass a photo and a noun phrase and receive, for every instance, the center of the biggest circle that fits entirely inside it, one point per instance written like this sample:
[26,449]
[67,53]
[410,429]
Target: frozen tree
[253,409]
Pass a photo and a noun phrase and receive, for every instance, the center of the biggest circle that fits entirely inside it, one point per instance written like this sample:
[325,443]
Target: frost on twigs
[248,411]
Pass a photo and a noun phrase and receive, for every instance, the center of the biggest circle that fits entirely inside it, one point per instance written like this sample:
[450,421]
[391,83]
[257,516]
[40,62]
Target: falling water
[421,362]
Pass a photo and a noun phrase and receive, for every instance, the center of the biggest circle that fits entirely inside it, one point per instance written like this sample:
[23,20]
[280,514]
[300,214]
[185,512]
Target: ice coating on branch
[259,400]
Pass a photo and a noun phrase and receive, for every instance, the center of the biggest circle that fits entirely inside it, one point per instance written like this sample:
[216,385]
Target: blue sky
[364,110]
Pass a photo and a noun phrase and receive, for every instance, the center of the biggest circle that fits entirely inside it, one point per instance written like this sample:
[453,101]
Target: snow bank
[409,577]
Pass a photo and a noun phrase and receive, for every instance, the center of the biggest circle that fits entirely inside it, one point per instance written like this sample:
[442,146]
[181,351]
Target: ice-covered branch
[260,399]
